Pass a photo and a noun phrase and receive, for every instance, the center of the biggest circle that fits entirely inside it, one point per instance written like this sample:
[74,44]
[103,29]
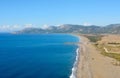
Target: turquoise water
[36,56]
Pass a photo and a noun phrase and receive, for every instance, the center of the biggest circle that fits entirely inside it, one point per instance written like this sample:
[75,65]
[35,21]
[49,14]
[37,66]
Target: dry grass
[94,38]
[110,42]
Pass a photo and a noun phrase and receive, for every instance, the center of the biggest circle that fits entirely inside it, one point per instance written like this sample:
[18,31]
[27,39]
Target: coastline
[74,69]
[84,70]
[92,64]
[81,65]
[75,65]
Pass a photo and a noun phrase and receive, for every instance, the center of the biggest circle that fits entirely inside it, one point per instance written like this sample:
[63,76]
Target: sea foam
[74,69]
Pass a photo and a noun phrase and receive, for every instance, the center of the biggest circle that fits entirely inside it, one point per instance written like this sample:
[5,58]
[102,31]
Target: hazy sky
[55,12]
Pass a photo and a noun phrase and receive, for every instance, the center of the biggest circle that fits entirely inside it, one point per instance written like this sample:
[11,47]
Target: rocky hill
[69,28]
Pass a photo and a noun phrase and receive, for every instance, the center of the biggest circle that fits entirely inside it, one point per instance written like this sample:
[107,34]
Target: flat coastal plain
[92,64]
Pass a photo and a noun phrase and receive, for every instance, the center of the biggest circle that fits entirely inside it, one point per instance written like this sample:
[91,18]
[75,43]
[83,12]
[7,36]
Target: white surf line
[74,69]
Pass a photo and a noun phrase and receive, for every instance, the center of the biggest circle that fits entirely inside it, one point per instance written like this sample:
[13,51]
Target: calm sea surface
[36,56]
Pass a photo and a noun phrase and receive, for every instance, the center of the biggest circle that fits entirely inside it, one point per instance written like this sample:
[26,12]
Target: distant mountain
[113,28]
[69,28]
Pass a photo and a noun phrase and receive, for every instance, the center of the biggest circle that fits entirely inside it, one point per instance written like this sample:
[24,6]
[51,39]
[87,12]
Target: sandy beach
[94,65]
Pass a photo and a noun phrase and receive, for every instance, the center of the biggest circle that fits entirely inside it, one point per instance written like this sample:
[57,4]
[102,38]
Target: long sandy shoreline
[92,64]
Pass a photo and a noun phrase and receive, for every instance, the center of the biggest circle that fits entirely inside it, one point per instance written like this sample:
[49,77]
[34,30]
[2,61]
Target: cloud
[10,28]
[86,24]
[28,25]
[45,26]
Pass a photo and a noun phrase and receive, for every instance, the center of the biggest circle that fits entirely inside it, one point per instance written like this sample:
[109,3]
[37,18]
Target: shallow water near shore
[37,56]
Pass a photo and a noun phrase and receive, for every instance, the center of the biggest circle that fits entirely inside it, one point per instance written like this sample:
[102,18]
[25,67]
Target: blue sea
[37,55]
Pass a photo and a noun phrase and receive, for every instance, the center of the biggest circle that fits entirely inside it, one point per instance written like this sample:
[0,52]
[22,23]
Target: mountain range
[70,28]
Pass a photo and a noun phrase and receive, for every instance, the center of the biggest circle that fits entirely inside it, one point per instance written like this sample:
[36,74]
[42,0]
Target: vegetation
[94,38]
[112,55]
[116,56]
[114,43]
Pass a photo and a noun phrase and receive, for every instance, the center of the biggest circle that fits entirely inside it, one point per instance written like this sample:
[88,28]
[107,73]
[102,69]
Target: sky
[18,14]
